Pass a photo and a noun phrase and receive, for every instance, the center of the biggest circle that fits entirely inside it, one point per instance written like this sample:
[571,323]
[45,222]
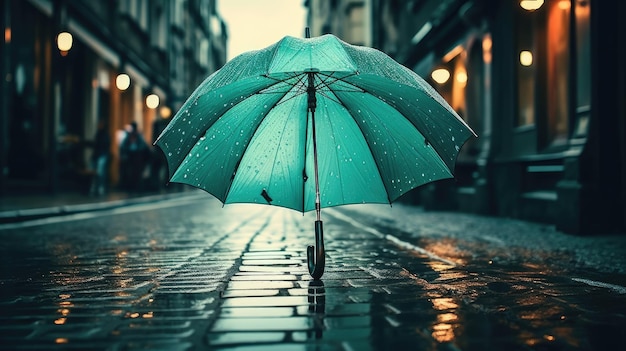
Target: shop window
[558,57]
[583,62]
[525,61]
[543,70]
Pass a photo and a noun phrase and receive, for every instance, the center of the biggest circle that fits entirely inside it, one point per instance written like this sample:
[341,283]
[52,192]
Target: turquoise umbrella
[312,123]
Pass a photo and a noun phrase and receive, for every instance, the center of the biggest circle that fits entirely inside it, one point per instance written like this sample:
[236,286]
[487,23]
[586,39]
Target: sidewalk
[18,208]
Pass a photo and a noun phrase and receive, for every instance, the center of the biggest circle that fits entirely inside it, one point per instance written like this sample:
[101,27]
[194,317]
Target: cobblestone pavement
[193,276]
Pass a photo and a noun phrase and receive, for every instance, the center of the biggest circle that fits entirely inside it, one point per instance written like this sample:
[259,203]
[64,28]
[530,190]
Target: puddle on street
[401,300]
[142,290]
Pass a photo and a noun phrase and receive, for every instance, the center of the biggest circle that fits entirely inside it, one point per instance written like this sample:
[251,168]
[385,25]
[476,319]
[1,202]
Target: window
[558,69]
[178,16]
[543,70]
[525,62]
[158,32]
[583,62]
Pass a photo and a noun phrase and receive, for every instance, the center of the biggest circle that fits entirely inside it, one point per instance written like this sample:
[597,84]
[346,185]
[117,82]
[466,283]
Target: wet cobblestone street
[192,276]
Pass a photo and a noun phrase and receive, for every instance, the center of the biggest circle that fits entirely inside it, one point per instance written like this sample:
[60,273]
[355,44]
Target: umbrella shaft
[312,104]
[315,169]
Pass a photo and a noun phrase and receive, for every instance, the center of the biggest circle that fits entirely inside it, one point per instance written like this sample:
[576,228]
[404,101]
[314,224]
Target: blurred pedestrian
[134,156]
[100,159]
[158,170]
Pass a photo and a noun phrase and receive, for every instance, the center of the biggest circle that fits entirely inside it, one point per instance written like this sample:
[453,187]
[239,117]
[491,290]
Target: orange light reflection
[443,332]
[444,303]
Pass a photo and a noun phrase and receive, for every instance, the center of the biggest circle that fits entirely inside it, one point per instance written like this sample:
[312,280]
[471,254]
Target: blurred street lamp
[531,5]
[64,41]
[165,112]
[440,75]
[122,82]
[526,58]
[487,45]
[461,77]
[152,101]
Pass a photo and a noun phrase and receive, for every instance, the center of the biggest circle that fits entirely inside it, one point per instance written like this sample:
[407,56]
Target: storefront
[56,97]
[540,83]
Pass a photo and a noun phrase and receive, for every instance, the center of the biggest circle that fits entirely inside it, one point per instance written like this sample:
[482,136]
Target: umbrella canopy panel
[245,134]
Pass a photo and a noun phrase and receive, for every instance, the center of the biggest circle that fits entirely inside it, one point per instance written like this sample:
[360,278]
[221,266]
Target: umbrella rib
[177,164]
[357,89]
[324,83]
[304,176]
[292,75]
[232,179]
[294,87]
[368,146]
[413,124]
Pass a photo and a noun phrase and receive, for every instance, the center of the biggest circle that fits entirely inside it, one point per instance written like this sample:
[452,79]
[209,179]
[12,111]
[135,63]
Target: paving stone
[235,278]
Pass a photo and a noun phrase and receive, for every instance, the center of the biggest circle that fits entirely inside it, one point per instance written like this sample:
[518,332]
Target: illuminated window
[583,62]
[557,70]
[526,70]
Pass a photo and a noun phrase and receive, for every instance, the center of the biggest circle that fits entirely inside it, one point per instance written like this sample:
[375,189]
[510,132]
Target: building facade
[128,61]
[541,84]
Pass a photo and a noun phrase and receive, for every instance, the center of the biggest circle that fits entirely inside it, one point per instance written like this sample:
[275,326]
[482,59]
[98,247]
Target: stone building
[120,53]
[541,83]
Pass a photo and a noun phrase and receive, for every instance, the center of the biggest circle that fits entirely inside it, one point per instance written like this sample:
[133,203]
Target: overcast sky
[255,24]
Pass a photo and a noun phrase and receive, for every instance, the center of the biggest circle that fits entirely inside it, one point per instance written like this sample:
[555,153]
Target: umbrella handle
[315,254]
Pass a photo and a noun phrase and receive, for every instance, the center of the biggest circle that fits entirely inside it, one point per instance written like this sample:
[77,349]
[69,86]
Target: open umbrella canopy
[379,130]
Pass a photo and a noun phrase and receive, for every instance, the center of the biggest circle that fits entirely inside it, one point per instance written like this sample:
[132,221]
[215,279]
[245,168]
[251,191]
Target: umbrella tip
[307,32]
[266,196]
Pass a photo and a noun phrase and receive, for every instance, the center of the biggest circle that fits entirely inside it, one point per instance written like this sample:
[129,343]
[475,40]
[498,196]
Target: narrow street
[191,275]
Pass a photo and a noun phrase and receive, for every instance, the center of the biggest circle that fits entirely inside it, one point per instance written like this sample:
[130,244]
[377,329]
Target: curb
[22,215]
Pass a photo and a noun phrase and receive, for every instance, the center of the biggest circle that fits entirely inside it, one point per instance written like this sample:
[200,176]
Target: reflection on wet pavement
[237,279]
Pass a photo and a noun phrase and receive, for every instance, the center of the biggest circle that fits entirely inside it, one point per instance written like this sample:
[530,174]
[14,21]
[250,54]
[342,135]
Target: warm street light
[165,112]
[440,75]
[526,58]
[152,101]
[461,77]
[122,82]
[64,41]
[530,5]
